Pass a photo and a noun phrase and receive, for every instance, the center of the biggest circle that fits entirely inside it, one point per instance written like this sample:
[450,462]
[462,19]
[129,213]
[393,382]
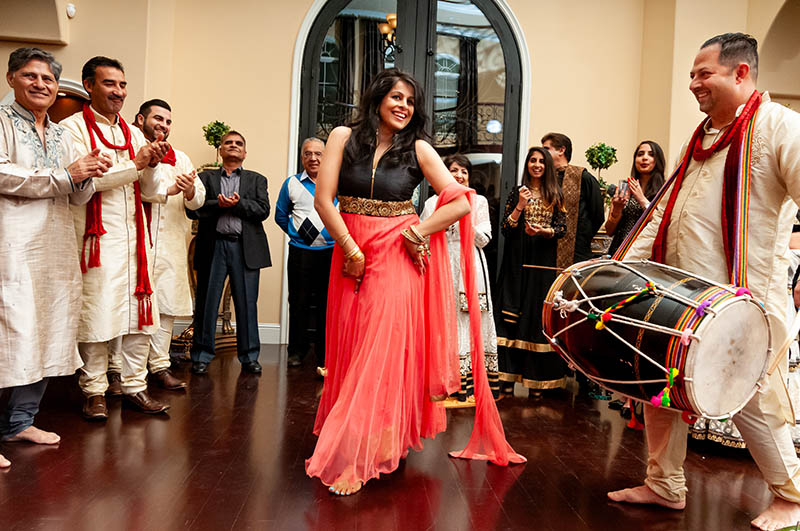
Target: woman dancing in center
[390,327]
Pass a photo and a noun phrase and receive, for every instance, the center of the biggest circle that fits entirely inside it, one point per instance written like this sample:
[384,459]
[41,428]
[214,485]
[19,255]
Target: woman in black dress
[629,202]
[533,221]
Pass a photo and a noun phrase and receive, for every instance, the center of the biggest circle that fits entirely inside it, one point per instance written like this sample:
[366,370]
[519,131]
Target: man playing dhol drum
[697,226]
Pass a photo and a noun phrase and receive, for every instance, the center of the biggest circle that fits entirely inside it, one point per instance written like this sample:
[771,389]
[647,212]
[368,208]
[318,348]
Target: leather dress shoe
[294,361]
[166,380]
[199,367]
[94,408]
[114,384]
[252,366]
[145,403]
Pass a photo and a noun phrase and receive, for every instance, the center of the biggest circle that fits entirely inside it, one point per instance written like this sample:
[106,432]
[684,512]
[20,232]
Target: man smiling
[40,284]
[116,258]
[747,145]
[171,230]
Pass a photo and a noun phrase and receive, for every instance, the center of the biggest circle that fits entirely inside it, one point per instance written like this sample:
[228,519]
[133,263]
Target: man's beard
[151,134]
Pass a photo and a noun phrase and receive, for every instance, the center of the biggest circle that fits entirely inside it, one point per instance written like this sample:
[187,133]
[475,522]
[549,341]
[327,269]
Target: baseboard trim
[268,333]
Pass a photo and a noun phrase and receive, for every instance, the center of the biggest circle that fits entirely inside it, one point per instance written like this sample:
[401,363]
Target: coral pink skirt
[375,404]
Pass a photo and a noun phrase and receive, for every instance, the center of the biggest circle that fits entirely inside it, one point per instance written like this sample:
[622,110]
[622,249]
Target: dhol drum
[659,334]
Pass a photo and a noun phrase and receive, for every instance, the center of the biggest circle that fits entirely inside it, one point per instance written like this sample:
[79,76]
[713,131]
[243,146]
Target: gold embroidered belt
[375,207]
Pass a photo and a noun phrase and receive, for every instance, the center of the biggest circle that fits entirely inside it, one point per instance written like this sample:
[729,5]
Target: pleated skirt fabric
[375,403]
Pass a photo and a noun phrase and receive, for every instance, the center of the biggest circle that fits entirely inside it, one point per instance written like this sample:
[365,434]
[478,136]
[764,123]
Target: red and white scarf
[94,221]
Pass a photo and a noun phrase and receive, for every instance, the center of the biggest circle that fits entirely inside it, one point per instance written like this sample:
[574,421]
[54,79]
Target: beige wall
[614,71]
[655,83]
[586,64]
[234,64]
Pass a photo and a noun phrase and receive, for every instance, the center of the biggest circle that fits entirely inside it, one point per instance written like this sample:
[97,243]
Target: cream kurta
[694,243]
[172,230]
[40,279]
[694,240]
[110,308]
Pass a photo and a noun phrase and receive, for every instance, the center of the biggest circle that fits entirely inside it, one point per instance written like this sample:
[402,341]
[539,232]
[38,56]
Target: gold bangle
[358,256]
[344,239]
[413,237]
[352,252]
[416,232]
[513,222]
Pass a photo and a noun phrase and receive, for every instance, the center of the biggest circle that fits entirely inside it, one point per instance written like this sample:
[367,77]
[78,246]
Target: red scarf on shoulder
[94,221]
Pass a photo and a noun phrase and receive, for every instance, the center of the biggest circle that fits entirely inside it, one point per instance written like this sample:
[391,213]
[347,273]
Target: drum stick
[780,353]
[543,267]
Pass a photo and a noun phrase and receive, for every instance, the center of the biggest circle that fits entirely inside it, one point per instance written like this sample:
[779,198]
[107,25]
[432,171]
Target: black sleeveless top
[392,182]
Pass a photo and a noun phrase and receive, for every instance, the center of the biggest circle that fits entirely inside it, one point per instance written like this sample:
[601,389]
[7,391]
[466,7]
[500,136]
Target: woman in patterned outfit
[533,221]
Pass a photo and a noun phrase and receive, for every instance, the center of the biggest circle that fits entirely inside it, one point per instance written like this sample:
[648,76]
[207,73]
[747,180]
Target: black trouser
[227,262]
[308,272]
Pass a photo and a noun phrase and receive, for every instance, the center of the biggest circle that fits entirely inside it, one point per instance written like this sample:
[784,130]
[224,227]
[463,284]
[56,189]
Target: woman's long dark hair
[551,190]
[362,141]
[657,175]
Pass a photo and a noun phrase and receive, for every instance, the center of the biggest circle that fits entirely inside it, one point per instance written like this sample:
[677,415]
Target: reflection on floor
[230,456]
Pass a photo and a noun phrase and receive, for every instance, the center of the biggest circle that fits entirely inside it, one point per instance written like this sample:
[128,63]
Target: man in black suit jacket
[230,242]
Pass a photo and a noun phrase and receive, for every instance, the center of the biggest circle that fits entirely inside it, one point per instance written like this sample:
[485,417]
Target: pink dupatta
[488,440]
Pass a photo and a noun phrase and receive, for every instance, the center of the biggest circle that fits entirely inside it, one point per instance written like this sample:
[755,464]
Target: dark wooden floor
[230,456]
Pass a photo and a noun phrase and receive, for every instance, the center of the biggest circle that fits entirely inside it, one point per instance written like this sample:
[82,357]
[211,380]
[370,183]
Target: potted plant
[213,133]
[600,157]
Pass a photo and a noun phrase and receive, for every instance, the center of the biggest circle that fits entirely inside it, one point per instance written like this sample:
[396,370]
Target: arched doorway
[779,62]
[464,52]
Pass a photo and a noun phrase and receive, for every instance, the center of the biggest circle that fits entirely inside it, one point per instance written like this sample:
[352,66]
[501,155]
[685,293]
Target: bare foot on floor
[4,463]
[778,515]
[36,436]
[345,487]
[643,494]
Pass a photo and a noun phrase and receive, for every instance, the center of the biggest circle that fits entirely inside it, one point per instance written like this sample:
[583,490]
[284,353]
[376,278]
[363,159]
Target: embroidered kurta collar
[28,115]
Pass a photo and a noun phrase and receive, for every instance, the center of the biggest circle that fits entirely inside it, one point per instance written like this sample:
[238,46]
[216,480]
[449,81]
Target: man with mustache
[735,193]
[116,254]
[310,252]
[230,243]
[171,230]
[40,284]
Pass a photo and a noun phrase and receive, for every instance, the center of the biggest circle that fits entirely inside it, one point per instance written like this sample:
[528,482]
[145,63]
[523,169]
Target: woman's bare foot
[4,463]
[778,515]
[36,436]
[643,494]
[345,488]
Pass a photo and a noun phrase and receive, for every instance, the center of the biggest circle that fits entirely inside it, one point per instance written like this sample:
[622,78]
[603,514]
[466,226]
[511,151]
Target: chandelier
[387,30]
